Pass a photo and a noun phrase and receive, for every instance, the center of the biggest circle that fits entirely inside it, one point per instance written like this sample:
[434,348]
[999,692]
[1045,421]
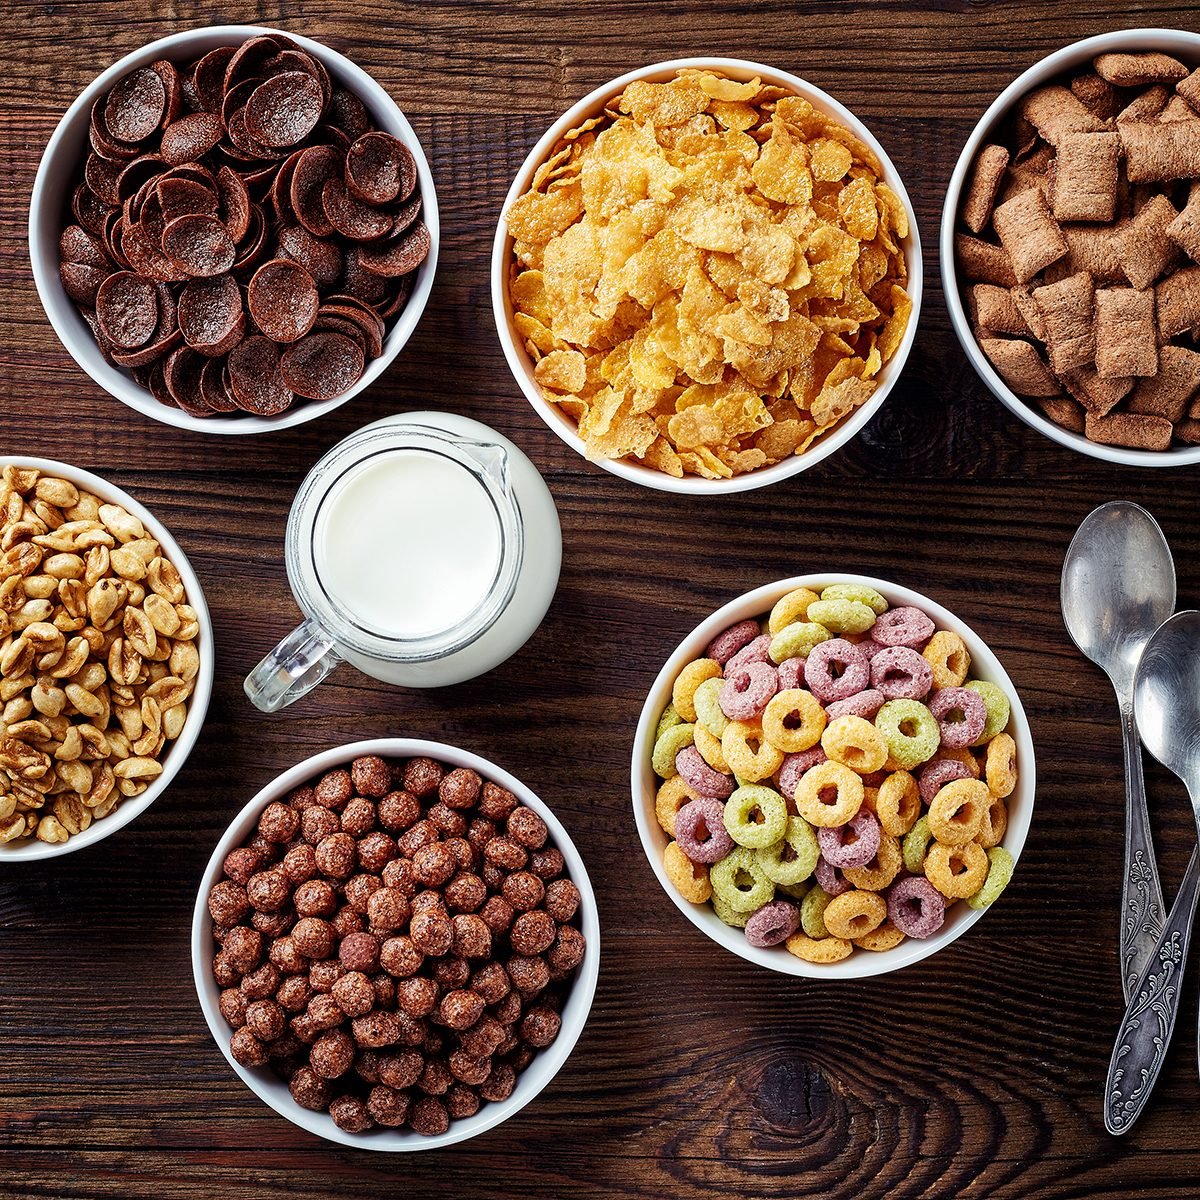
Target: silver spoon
[1118,586]
[1167,702]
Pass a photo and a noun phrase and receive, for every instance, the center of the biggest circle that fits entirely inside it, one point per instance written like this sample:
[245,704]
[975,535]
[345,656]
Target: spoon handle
[1149,1021]
[1141,896]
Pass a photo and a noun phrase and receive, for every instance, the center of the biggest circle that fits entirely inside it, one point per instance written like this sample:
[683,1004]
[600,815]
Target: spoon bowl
[1167,699]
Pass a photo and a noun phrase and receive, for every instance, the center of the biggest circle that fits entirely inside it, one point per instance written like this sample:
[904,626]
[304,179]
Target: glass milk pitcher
[423,549]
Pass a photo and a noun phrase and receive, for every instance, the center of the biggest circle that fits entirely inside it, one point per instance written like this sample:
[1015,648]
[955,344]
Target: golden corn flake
[708,275]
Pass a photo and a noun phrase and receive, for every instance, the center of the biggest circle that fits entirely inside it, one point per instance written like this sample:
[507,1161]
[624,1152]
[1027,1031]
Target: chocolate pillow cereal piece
[1055,111]
[1020,366]
[1097,95]
[1096,393]
[1097,250]
[983,261]
[1177,109]
[1146,248]
[1029,233]
[981,194]
[1145,106]
[1129,429]
[996,310]
[1068,312]
[1022,297]
[1177,299]
[1063,412]
[1085,181]
[1189,89]
[1157,152]
[1126,341]
[1167,393]
[1138,70]
[1184,230]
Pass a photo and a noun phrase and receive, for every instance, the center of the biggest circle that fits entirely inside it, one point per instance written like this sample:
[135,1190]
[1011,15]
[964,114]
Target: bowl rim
[30,849]
[754,603]
[60,309]
[1040,72]
[517,359]
[273,1091]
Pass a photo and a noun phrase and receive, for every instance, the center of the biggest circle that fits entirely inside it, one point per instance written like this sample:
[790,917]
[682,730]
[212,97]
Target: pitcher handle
[292,669]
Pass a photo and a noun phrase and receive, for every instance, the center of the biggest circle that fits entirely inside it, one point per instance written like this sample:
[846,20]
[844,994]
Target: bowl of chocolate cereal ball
[1070,247]
[395,945]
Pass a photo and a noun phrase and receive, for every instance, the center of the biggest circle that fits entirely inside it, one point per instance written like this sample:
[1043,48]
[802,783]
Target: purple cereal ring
[960,715]
[838,852]
[700,777]
[870,647]
[773,923]
[794,766]
[751,652]
[903,626]
[820,665]
[725,645]
[700,831]
[916,907]
[791,674]
[830,878]
[864,704]
[937,774]
[900,673]
[747,690]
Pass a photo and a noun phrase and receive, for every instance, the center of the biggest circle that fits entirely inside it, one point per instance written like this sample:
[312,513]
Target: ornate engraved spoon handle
[1149,1020]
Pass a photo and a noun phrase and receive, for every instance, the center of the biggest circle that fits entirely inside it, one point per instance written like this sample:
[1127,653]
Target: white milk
[408,543]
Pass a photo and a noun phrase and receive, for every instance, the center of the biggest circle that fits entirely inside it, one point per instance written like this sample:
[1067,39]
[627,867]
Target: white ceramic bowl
[176,755]
[861,963]
[62,163]
[267,1086]
[522,367]
[1182,45]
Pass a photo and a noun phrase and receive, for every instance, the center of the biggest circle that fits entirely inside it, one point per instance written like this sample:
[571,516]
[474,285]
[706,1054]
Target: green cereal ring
[797,891]
[731,916]
[1000,869]
[812,912]
[669,744]
[842,616]
[800,839]
[708,710]
[669,719]
[756,816]
[856,591]
[916,842]
[997,706]
[910,730]
[740,882]
[797,640]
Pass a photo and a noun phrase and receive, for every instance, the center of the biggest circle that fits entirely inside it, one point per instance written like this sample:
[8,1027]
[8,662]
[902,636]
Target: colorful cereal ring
[755,816]
[826,950]
[671,797]
[686,683]
[911,732]
[841,850]
[700,777]
[898,803]
[901,674]
[842,616]
[997,705]
[844,657]
[903,626]
[793,721]
[755,651]
[881,870]
[812,912]
[791,674]
[710,750]
[861,704]
[790,608]
[956,871]
[708,707]
[669,719]
[935,776]
[748,689]
[856,591]
[749,755]
[855,914]
[797,641]
[1001,770]
[794,857]
[830,878]
[855,742]
[956,812]
[701,833]
[740,881]
[689,879]
[961,715]
[948,658]
[995,822]
[916,843]
[1000,869]
[829,794]
[729,641]
[667,746]
[916,907]
[775,922]
[731,916]
[886,937]
[794,767]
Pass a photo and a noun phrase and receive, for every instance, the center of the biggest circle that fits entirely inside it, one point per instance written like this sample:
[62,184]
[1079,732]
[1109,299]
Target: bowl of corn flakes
[706,276]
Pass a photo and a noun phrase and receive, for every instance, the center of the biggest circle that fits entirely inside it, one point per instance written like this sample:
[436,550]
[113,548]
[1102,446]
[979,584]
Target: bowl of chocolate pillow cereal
[1070,247]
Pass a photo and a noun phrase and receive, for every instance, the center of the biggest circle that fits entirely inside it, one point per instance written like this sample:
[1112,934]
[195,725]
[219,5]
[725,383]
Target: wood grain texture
[977,1073]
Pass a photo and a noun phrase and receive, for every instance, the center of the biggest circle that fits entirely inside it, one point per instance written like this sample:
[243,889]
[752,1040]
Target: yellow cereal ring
[793,720]
[881,870]
[829,795]
[854,914]
[789,608]
[686,683]
[1002,765]
[689,879]
[708,706]
[822,950]
[856,591]
[956,871]
[668,746]
[956,812]
[856,743]
[842,616]
[749,755]
[995,822]
[899,803]
[886,937]
[871,799]
[710,750]
[669,719]
[671,797]
[796,641]
[947,654]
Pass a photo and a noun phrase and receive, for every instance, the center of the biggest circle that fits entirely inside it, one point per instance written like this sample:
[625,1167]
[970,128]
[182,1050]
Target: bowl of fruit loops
[833,776]
[706,276]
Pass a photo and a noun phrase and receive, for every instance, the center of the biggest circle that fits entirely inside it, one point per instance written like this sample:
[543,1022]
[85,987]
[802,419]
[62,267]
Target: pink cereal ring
[791,674]
[773,923]
[747,690]
[937,774]
[700,831]
[916,907]
[830,878]
[727,643]
[863,704]
[903,626]
[700,777]
[960,715]
[794,767]
[870,647]
[900,673]
[840,851]
[752,652]
[836,670]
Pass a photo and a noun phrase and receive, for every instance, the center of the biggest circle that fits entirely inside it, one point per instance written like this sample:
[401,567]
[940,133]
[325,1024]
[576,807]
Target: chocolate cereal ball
[370,775]
[491,982]
[313,937]
[285,955]
[359,889]
[358,817]
[385,990]
[241,863]
[547,863]
[376,1030]
[399,956]
[472,937]
[228,902]
[562,900]
[460,788]
[388,1107]
[540,1026]
[300,863]
[429,901]
[332,1054]
[499,1085]
[468,1069]
[411,840]
[334,789]
[375,851]
[350,1113]
[529,975]
[431,933]
[462,1101]
[324,1012]
[398,811]
[568,949]
[465,893]
[483,1038]
[401,1069]
[496,802]
[316,824]
[498,914]
[243,947]
[434,865]
[232,1004]
[262,982]
[247,1049]
[309,1090]
[354,994]
[460,1009]
[265,1019]
[399,874]
[335,856]
[505,853]
[523,890]
[315,898]
[525,827]
[447,821]
[480,831]
[279,822]
[294,994]
[422,776]
[417,996]
[533,933]
[387,911]
[275,924]
[436,1079]
[359,952]
[346,921]
[452,972]
[429,1117]
[323,975]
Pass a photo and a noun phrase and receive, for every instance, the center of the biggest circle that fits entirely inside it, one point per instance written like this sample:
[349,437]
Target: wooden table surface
[976,1073]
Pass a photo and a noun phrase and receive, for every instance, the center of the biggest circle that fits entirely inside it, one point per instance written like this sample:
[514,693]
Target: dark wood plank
[976,1073]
